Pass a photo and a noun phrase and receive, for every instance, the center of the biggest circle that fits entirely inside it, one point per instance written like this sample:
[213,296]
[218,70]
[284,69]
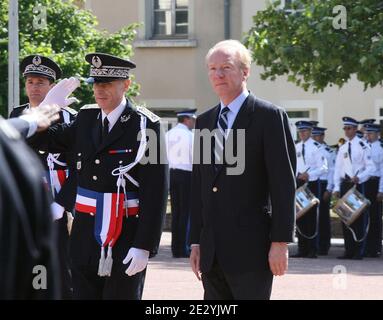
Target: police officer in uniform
[40,73]
[362,130]
[180,155]
[353,166]
[122,183]
[326,187]
[374,192]
[311,165]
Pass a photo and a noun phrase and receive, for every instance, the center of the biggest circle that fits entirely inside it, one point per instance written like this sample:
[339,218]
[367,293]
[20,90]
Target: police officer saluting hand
[40,73]
[120,200]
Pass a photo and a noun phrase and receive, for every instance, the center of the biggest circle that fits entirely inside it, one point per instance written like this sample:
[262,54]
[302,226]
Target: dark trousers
[63,254]
[219,285]
[180,185]
[324,232]
[374,237]
[352,247]
[87,285]
[307,224]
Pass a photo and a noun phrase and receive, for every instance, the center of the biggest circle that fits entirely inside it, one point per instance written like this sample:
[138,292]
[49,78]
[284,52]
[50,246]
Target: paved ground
[172,279]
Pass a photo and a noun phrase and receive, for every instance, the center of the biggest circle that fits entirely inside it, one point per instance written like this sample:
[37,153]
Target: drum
[351,206]
[304,200]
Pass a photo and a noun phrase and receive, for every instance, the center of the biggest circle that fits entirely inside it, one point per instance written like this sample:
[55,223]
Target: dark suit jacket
[231,216]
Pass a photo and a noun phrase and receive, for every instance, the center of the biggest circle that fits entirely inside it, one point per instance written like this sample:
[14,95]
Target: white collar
[115,114]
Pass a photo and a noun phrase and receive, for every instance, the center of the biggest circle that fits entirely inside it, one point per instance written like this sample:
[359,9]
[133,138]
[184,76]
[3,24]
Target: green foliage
[69,34]
[306,47]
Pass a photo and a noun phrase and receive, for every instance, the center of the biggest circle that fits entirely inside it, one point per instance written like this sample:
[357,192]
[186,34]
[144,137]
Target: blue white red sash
[54,180]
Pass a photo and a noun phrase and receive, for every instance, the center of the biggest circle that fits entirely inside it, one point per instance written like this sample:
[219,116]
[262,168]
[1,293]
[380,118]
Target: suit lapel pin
[124,118]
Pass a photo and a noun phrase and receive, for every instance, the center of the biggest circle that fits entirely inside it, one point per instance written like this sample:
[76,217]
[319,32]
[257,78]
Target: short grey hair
[243,54]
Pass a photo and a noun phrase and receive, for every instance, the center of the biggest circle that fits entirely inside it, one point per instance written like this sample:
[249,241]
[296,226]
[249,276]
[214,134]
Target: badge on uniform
[124,118]
[78,165]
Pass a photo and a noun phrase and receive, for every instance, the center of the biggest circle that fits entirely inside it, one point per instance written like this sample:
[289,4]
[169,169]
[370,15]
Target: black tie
[105,129]
[349,150]
[303,152]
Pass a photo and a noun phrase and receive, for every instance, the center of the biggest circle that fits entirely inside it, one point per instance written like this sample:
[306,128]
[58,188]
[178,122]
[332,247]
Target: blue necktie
[219,137]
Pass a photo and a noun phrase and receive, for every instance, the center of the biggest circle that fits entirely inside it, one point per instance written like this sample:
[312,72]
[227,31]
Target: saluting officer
[326,187]
[353,166]
[121,194]
[180,155]
[374,192]
[40,73]
[311,165]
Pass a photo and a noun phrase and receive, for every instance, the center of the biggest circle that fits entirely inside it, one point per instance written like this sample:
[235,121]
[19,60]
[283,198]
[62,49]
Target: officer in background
[362,130]
[180,155]
[122,182]
[40,73]
[311,165]
[326,187]
[353,166]
[374,192]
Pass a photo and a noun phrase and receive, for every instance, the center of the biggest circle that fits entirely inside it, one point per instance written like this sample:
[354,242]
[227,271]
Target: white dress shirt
[330,156]
[360,164]
[234,107]
[115,114]
[179,143]
[377,158]
[313,162]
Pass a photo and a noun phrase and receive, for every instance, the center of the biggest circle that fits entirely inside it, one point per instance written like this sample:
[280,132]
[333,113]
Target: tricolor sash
[108,209]
[54,180]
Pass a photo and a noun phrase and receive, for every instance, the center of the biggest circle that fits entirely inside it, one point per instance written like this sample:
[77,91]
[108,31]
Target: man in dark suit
[121,197]
[241,220]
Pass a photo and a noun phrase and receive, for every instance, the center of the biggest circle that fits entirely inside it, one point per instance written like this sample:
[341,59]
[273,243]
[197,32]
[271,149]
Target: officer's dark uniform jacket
[67,194]
[95,162]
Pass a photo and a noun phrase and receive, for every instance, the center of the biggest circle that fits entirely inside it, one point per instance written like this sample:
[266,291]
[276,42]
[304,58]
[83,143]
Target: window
[170,19]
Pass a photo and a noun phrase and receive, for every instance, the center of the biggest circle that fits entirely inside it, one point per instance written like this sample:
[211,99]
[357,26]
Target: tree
[66,35]
[310,45]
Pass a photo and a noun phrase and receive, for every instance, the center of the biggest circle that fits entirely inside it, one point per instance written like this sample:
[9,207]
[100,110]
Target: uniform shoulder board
[90,106]
[152,117]
[70,110]
[381,144]
[328,149]
[21,106]
[317,144]
[362,144]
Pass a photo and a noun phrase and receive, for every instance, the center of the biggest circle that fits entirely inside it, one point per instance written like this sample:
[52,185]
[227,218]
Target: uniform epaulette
[328,149]
[362,144]
[90,106]
[70,110]
[146,112]
[317,144]
[381,144]
[21,106]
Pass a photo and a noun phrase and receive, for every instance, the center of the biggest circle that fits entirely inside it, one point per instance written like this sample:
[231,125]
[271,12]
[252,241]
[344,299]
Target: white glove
[57,211]
[139,260]
[60,92]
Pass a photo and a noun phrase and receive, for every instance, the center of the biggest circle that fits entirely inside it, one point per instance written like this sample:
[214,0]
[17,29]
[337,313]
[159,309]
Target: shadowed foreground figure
[26,234]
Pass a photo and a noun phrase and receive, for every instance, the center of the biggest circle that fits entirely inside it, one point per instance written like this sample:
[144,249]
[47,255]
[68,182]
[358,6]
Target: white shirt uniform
[179,143]
[312,161]
[377,158]
[360,164]
[330,156]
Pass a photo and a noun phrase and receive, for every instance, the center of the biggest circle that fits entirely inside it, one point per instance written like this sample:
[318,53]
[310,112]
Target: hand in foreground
[138,261]
[278,258]
[194,261]
[60,92]
[43,116]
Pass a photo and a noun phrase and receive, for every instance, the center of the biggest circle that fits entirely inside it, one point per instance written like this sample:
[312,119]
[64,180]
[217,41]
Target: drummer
[311,165]
[353,166]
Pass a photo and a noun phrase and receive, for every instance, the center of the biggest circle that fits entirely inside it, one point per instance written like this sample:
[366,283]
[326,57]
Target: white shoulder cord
[122,171]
